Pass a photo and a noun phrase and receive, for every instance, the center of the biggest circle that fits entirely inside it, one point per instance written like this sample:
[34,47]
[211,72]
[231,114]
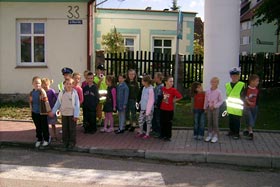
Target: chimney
[148,8]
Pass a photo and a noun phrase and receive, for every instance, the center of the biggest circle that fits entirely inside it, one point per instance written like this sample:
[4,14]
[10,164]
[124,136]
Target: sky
[186,5]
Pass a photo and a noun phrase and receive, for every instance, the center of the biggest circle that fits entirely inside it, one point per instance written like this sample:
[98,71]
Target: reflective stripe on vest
[60,86]
[234,103]
[101,92]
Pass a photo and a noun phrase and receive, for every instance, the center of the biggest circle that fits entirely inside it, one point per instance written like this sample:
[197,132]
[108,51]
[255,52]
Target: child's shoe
[199,137]
[208,138]
[140,135]
[119,131]
[37,144]
[45,143]
[103,130]
[251,136]
[214,139]
[111,129]
[145,137]
[245,133]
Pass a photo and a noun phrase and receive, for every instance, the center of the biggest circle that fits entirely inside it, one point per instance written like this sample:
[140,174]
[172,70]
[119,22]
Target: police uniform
[234,103]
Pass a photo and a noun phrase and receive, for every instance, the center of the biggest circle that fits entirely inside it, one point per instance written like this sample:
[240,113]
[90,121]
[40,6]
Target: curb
[174,127]
[265,160]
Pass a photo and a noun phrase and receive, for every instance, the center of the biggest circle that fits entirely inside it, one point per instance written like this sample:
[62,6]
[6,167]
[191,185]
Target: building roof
[250,13]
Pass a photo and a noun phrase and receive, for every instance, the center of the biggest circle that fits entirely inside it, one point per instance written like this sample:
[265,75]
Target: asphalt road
[32,168]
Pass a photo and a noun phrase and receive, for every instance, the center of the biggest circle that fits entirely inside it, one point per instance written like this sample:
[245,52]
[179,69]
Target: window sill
[25,67]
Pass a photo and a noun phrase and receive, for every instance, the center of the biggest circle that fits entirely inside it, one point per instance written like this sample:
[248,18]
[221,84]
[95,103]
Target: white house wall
[66,45]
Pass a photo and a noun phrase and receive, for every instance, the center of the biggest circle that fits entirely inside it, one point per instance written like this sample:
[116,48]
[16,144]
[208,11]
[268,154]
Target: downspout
[89,33]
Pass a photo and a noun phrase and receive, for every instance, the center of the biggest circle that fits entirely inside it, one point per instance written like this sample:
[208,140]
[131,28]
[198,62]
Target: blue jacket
[122,96]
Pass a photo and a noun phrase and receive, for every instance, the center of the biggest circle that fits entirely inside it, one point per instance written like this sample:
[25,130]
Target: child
[158,94]
[91,100]
[69,106]
[84,83]
[234,102]
[67,73]
[40,107]
[213,101]
[122,99]
[110,104]
[251,105]
[77,87]
[147,107]
[100,80]
[133,86]
[198,110]
[52,97]
[170,97]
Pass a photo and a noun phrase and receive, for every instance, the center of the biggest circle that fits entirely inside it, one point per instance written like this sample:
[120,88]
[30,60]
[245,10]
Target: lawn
[268,115]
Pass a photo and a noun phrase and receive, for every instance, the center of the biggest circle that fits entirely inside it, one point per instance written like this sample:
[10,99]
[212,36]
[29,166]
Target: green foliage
[198,49]
[269,12]
[113,42]
[175,6]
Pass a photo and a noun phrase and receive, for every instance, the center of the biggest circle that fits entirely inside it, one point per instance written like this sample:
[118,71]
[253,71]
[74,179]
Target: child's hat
[101,67]
[66,70]
[235,71]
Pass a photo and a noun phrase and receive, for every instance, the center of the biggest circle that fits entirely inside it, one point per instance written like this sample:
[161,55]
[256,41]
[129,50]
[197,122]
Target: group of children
[240,100]
[154,99]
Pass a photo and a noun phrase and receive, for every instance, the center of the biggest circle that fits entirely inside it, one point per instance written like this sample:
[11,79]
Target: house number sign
[73,12]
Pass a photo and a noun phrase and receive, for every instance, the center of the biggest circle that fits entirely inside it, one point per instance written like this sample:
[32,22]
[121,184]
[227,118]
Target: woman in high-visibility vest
[234,102]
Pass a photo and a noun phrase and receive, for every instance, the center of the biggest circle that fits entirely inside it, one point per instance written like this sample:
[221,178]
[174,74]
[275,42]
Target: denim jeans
[121,119]
[199,122]
[251,115]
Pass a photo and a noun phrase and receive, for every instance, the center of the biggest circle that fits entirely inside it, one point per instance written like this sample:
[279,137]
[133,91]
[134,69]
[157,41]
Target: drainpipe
[89,32]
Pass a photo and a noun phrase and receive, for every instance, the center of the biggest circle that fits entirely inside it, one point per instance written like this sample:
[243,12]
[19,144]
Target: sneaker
[111,129]
[119,131]
[146,137]
[103,130]
[140,135]
[245,133]
[199,137]
[214,139]
[251,136]
[195,137]
[167,139]
[208,138]
[45,143]
[50,139]
[37,144]
[236,137]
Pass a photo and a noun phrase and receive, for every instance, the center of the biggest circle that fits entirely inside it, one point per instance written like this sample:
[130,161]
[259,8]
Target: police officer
[67,73]
[234,102]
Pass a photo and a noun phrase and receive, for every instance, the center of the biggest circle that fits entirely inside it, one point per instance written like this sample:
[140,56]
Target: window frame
[19,63]
[172,39]
[136,41]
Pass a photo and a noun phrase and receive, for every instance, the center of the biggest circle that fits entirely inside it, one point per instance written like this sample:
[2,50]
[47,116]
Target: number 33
[73,12]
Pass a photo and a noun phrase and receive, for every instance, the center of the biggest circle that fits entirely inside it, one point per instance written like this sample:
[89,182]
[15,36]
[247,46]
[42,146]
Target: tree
[113,42]
[174,6]
[269,12]
[198,49]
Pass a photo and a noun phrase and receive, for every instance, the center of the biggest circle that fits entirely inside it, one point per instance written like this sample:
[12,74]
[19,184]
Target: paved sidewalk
[263,151]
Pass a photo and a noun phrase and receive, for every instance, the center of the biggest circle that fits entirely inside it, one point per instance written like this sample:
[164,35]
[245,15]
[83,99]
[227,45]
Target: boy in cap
[234,102]
[100,80]
[67,73]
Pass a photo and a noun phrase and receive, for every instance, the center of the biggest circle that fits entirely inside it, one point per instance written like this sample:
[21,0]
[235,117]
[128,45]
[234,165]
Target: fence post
[260,68]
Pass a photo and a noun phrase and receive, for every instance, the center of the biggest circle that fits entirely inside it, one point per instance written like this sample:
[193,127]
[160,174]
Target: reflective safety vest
[102,90]
[234,102]
[60,86]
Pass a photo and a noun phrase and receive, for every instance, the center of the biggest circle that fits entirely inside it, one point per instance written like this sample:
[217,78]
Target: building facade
[39,38]
[146,30]
[254,39]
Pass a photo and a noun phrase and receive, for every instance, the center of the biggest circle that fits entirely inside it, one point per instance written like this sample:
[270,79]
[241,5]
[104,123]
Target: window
[129,44]
[31,43]
[245,40]
[246,25]
[162,46]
